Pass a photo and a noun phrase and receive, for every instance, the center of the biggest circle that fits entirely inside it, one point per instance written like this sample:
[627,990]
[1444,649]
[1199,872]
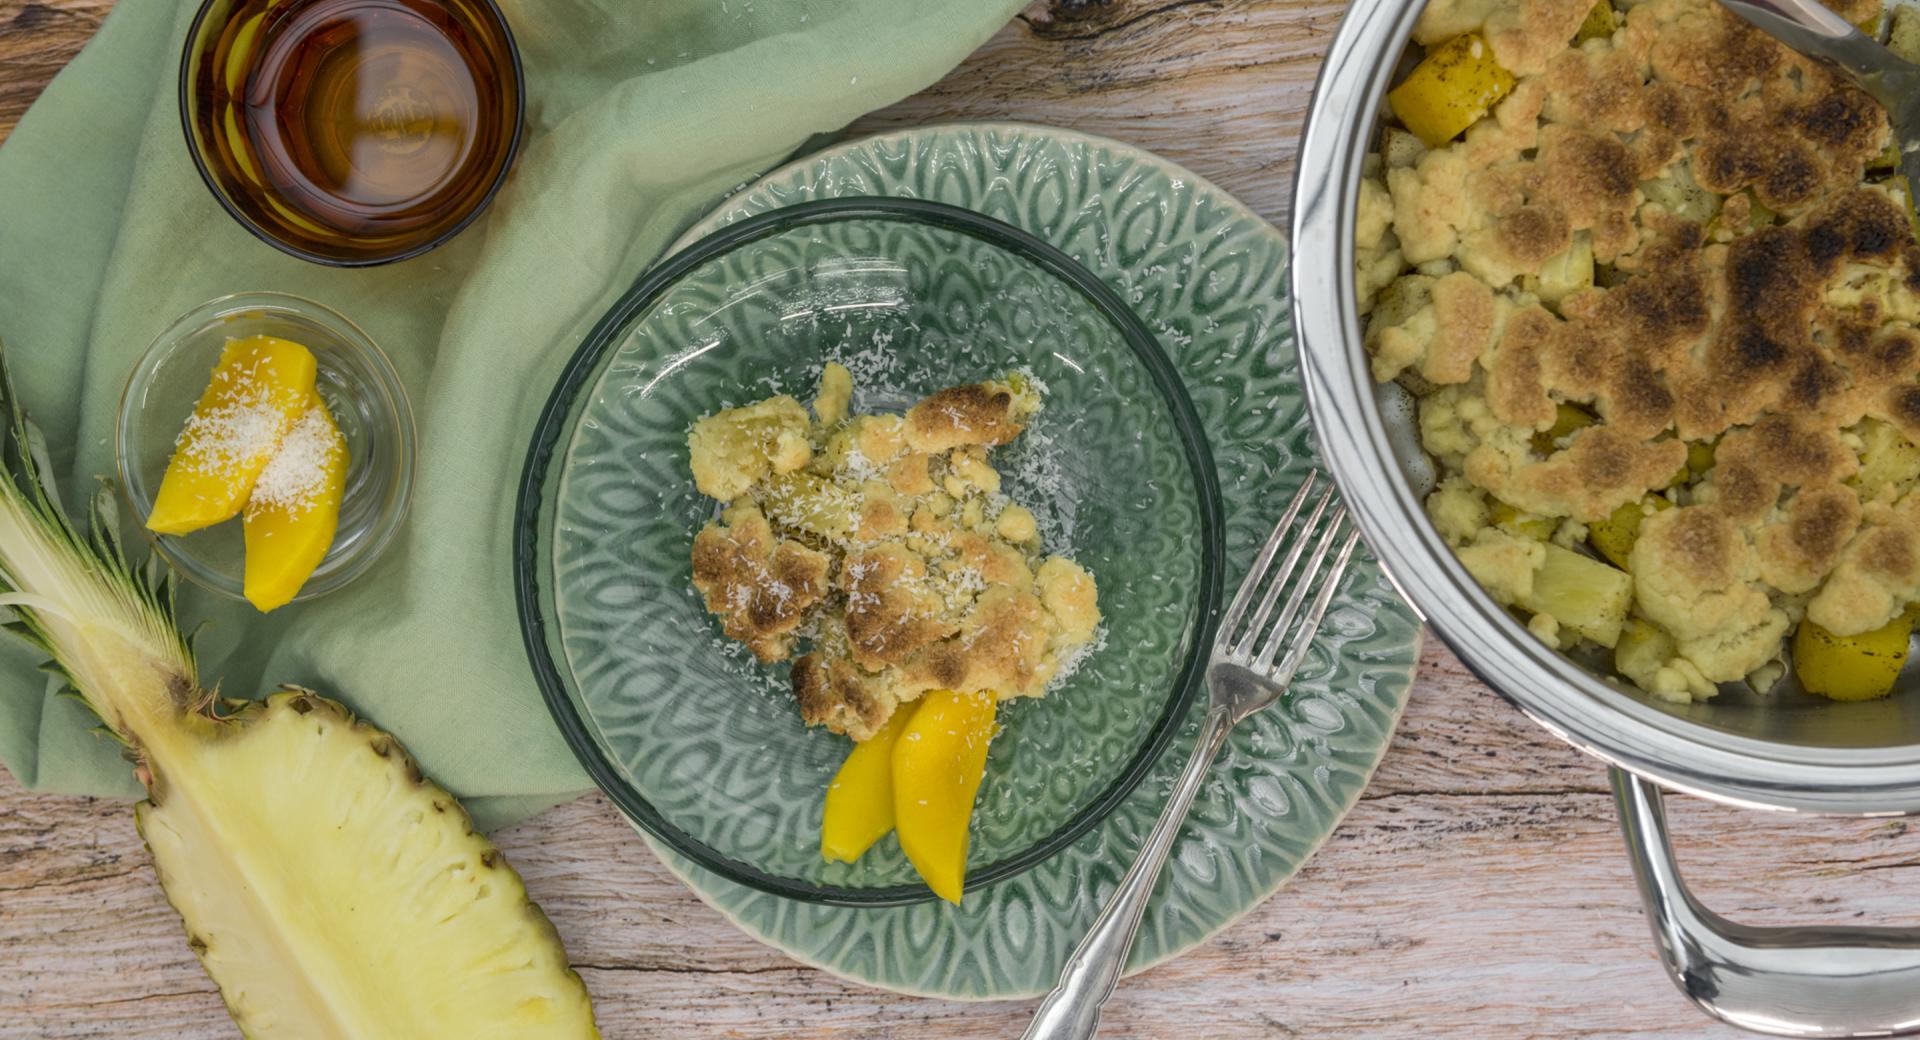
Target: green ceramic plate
[1208,277]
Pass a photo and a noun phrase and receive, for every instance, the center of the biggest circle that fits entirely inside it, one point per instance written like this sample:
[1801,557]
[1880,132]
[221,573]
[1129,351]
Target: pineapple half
[330,890]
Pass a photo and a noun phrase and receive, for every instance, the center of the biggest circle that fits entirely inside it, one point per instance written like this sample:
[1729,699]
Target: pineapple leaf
[60,583]
[36,450]
[103,524]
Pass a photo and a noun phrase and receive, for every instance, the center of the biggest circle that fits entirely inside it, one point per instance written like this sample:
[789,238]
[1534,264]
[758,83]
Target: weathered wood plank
[37,38]
[1478,890]
[1219,87]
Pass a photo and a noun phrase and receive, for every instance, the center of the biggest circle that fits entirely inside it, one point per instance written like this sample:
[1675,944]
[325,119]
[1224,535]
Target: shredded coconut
[296,475]
[231,438]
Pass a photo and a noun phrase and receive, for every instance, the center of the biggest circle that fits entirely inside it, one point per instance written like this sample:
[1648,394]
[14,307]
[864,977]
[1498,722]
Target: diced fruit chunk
[1404,297]
[1451,88]
[1889,460]
[259,389]
[1522,524]
[1582,593]
[1567,419]
[937,766]
[1852,668]
[1678,193]
[295,509]
[1700,456]
[1614,535]
[859,806]
[1600,24]
[1565,273]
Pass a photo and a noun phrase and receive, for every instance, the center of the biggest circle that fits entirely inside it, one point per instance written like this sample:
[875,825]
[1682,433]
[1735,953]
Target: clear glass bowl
[359,386]
[693,740]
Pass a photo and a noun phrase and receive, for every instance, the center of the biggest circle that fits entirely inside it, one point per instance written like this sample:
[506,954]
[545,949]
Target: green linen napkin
[641,114]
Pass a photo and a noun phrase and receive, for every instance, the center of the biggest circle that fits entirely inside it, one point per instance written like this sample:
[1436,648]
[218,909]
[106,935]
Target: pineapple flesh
[331,892]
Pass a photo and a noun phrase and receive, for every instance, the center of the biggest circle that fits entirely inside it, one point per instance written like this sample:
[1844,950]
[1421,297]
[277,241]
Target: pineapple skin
[299,956]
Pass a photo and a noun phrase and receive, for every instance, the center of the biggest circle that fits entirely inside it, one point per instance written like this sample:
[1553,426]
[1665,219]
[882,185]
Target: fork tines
[1323,534]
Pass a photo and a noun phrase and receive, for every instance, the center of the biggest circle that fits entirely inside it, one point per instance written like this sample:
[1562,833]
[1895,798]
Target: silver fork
[1243,676]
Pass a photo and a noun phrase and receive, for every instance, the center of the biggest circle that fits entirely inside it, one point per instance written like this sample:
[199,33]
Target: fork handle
[1072,1010]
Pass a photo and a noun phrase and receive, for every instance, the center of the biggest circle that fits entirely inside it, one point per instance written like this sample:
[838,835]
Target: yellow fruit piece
[1699,460]
[1600,24]
[1888,159]
[937,766]
[294,509]
[1700,456]
[1852,668]
[1887,460]
[1567,419]
[1451,88]
[1614,536]
[1521,524]
[259,388]
[1582,593]
[1564,274]
[859,807]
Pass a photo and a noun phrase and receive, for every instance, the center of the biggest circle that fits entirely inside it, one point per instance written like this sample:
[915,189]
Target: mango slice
[294,509]
[937,765]
[859,809]
[259,389]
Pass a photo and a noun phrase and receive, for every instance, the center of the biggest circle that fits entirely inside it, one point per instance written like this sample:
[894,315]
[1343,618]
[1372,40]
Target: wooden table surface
[1479,889]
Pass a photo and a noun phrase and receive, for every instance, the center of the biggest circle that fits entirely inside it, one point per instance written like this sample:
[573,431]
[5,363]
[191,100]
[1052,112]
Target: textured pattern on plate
[681,708]
[1208,276]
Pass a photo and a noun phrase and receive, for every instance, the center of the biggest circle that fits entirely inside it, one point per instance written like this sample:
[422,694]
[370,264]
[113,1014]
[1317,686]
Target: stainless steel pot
[1798,754]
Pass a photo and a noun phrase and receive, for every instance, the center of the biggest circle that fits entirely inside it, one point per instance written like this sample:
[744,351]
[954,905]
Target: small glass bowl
[359,386]
[379,233]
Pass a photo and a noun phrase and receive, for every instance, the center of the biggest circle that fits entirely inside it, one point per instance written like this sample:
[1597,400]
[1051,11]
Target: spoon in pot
[1810,27]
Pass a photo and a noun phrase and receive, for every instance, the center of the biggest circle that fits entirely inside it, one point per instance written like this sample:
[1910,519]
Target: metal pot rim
[1574,704]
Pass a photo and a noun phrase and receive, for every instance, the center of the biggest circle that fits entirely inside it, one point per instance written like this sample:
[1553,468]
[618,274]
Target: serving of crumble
[885,545]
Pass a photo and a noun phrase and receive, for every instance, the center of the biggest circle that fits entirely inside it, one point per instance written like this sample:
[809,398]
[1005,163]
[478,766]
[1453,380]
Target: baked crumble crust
[890,548]
[1754,295]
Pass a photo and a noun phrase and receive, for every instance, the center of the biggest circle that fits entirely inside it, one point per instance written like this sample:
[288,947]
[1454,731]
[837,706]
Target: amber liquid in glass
[359,121]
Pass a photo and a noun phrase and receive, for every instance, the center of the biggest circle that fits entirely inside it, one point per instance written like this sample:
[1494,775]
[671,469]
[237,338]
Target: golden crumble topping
[1659,307]
[886,542]
[760,585]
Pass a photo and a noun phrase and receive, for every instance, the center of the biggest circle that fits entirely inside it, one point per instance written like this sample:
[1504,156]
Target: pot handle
[1807,982]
